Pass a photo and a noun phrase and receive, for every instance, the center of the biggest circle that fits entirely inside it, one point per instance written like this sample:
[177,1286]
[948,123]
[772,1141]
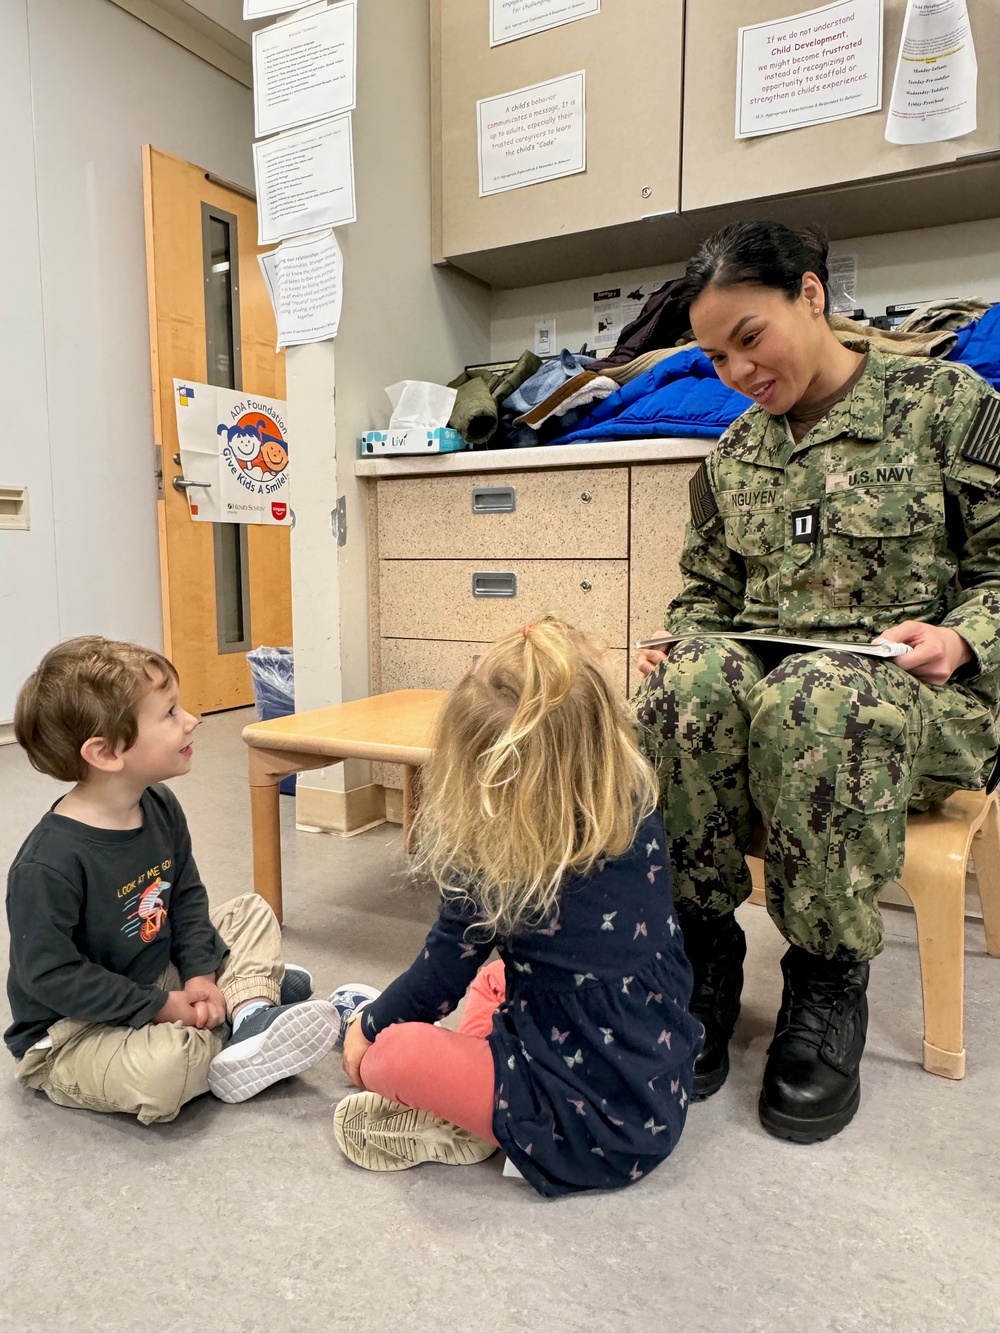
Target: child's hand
[648,660]
[355,1046]
[209,1000]
[179,1009]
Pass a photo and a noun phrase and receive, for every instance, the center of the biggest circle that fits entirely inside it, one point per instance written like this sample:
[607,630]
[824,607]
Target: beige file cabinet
[720,169]
[632,54]
[460,560]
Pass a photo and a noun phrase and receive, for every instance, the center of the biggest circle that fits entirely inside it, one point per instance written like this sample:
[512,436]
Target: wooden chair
[938,846]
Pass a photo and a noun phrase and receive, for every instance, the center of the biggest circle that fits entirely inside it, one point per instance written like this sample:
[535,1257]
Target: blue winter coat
[978,346]
[681,395]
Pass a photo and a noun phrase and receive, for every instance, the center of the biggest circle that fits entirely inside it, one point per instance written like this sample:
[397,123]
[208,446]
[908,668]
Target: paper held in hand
[878,649]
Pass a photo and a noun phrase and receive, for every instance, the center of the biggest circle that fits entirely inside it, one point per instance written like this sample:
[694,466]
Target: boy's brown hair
[85,687]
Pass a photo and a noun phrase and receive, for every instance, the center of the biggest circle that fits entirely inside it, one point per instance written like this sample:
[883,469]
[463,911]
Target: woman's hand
[648,659]
[355,1046]
[936,652]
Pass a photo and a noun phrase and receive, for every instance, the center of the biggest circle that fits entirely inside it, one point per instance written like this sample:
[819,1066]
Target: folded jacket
[584,388]
[681,396]
[953,313]
[476,413]
[546,380]
[929,342]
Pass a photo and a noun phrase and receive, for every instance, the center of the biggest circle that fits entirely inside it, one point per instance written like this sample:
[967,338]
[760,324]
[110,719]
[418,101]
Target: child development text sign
[809,69]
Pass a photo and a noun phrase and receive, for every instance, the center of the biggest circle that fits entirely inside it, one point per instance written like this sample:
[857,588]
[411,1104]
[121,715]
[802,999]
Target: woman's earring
[815,310]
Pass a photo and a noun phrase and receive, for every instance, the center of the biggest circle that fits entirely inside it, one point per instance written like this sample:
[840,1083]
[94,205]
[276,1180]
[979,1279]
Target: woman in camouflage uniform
[858,498]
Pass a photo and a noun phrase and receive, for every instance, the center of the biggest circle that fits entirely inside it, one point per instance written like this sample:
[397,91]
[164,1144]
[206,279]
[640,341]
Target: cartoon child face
[273,456]
[244,445]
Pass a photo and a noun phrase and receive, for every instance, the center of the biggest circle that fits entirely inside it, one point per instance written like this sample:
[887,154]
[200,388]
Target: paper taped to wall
[936,84]
[305,180]
[305,281]
[305,68]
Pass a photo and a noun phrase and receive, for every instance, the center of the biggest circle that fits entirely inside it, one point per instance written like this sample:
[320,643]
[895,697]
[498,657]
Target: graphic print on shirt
[145,903]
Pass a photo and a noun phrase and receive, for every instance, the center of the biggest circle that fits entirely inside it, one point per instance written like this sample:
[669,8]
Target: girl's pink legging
[447,1073]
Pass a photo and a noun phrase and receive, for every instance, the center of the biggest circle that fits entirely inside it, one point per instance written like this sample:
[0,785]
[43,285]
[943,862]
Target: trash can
[272,671]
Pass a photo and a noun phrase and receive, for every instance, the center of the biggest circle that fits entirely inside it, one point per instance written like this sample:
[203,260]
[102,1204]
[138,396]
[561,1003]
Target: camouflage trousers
[828,751]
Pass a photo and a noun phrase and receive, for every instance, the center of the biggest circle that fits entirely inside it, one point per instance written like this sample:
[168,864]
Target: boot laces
[814,1008]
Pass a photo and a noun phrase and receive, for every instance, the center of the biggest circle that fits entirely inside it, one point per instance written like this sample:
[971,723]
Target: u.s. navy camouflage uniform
[887,510]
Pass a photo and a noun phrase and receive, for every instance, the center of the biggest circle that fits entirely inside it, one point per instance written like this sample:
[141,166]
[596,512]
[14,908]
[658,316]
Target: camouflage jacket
[887,510]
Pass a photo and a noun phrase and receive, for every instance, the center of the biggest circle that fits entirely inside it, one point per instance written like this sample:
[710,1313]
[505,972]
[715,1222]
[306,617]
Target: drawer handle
[494,585]
[494,499]
[586,585]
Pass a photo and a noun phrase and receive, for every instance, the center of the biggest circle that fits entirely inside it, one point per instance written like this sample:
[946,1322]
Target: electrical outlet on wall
[545,337]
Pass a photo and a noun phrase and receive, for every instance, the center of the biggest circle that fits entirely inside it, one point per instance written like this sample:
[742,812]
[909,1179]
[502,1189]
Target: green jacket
[887,510]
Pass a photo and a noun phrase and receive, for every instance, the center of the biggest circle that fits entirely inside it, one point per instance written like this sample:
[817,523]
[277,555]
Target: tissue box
[415,440]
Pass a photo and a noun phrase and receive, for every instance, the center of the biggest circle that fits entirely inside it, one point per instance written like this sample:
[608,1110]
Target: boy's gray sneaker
[273,1044]
[297,985]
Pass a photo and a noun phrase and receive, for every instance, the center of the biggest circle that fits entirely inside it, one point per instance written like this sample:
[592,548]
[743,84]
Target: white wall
[93,84]
[28,592]
[961,260]
[401,319]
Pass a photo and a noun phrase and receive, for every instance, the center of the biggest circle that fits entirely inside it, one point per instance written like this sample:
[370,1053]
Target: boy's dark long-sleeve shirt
[96,915]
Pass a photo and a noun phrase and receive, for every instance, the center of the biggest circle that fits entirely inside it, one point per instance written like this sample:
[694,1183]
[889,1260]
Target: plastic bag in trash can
[272,671]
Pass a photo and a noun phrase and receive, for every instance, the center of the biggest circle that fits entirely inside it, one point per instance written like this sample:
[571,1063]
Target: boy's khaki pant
[150,1072]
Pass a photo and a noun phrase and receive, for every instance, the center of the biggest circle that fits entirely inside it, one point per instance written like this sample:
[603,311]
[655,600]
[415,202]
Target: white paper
[305,69]
[237,444]
[510,19]
[420,404]
[262,9]
[305,280]
[843,284]
[533,134]
[305,180]
[810,68]
[934,91]
[614,307]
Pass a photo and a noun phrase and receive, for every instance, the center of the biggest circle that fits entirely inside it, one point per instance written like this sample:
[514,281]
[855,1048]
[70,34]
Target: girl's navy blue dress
[593,1047]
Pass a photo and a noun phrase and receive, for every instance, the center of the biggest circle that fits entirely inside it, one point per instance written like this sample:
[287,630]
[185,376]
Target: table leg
[266,832]
[411,797]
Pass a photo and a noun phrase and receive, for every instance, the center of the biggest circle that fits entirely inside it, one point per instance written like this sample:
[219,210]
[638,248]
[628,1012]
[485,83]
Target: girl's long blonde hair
[535,774]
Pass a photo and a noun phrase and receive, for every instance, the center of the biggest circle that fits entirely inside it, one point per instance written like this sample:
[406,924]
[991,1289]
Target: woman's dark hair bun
[761,254]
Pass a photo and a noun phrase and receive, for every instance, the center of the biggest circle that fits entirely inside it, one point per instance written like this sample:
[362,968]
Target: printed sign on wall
[234,448]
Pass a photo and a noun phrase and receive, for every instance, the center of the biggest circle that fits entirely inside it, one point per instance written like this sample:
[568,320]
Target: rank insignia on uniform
[982,444]
[703,505]
[805,524]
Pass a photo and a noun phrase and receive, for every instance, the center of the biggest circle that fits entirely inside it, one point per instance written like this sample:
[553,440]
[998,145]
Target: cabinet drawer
[506,516]
[720,169]
[439,664]
[660,508]
[433,599]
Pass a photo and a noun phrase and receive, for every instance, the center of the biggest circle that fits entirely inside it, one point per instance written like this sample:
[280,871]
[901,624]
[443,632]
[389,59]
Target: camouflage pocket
[882,547]
[868,821]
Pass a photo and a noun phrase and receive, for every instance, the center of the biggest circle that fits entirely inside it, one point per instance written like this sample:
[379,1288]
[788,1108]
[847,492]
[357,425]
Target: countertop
[620,453]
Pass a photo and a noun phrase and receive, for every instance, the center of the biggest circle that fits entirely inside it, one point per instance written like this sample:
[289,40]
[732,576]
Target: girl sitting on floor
[575,1052]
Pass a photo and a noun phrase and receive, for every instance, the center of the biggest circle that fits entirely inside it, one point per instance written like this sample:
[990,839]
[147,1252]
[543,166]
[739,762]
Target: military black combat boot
[716,948]
[812,1086]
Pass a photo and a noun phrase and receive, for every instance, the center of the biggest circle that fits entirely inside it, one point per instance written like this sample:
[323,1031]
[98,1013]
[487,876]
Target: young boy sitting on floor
[127,994]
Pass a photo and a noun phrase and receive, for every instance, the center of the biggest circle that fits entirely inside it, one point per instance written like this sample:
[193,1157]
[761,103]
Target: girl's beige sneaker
[381,1135]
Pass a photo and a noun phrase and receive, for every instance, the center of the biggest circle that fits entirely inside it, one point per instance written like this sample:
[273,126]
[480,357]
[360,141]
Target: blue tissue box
[415,440]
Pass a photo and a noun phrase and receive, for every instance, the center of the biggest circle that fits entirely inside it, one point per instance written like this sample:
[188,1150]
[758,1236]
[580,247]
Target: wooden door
[225,587]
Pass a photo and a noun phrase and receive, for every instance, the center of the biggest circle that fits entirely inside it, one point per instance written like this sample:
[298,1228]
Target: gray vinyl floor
[248,1220]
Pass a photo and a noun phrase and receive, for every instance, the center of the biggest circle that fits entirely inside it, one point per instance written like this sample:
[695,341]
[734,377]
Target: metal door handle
[494,499]
[182,484]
